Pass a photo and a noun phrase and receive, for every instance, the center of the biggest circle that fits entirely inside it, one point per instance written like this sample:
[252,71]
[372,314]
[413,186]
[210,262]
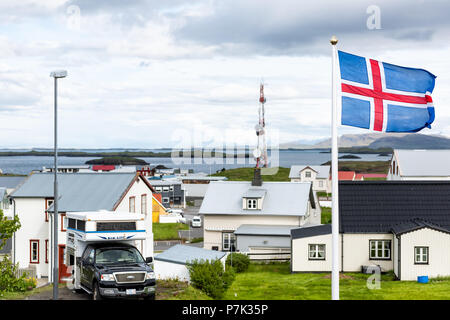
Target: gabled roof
[182,254]
[346,175]
[11,182]
[79,191]
[378,206]
[281,198]
[323,172]
[416,224]
[423,163]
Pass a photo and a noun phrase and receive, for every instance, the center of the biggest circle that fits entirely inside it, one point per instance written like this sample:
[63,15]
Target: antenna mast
[260,152]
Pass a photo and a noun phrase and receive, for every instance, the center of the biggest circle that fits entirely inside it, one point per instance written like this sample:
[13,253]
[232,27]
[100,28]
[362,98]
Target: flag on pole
[384,97]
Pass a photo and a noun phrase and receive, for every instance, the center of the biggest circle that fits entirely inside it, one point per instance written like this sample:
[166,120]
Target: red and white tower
[260,153]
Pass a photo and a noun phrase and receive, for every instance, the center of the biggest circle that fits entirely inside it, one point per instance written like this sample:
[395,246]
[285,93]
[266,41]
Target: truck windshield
[118,256]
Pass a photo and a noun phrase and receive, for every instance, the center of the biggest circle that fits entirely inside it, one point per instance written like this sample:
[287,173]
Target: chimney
[257,180]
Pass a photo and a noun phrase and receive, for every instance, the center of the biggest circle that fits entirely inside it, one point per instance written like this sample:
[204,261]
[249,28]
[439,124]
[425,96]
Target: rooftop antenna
[260,153]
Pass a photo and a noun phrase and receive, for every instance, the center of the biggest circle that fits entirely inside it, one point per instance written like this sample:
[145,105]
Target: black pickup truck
[116,270]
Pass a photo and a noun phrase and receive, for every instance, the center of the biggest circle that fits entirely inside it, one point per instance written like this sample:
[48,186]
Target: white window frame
[171,188]
[165,200]
[252,204]
[32,243]
[421,255]
[144,204]
[158,189]
[374,245]
[228,238]
[320,184]
[314,249]
[308,174]
[165,189]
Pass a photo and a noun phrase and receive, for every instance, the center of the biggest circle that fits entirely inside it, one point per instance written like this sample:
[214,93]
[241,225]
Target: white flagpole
[335,182]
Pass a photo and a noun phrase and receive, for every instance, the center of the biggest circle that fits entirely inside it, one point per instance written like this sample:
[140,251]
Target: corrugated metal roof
[423,163]
[11,182]
[281,198]
[78,191]
[322,171]
[255,193]
[257,229]
[183,254]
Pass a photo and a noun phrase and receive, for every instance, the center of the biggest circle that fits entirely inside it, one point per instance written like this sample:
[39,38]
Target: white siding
[31,212]
[439,254]
[356,251]
[168,270]
[214,225]
[300,260]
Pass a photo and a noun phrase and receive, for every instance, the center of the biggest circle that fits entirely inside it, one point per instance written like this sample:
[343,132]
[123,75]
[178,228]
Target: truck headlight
[107,277]
[150,275]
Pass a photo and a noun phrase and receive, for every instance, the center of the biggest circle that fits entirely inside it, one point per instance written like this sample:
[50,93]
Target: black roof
[393,206]
[305,232]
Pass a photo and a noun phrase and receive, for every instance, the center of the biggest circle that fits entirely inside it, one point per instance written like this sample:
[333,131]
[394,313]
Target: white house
[419,165]
[173,263]
[402,226]
[319,176]
[236,215]
[79,192]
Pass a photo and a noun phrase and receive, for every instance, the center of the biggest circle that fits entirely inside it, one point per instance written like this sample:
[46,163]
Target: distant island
[126,161]
[349,156]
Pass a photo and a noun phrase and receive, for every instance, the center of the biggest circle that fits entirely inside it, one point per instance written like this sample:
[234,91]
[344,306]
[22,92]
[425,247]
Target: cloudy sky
[147,73]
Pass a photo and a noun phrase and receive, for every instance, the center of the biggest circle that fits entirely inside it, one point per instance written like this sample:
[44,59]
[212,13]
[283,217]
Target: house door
[61,261]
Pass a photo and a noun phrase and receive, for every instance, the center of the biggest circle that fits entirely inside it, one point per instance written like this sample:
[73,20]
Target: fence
[29,272]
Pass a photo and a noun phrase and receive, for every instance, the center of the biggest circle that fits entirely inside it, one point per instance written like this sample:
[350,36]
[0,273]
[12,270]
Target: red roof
[103,167]
[359,176]
[346,175]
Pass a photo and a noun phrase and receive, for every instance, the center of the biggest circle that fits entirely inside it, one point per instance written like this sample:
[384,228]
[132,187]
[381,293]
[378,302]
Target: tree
[7,228]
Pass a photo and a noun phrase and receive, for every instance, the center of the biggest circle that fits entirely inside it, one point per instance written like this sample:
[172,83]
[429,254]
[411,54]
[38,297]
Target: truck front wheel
[96,293]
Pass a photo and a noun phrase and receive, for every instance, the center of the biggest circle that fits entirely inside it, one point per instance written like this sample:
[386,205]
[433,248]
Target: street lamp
[56,75]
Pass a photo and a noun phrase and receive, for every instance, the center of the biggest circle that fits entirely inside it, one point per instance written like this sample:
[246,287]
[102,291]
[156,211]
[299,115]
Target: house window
[165,200]
[252,203]
[132,207]
[158,189]
[321,184]
[165,189]
[316,252]
[421,255]
[308,174]
[380,249]
[228,241]
[171,188]
[46,251]
[34,251]
[144,204]
[48,204]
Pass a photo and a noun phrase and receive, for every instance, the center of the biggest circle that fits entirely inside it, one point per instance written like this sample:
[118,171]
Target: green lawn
[168,231]
[274,281]
[326,215]
[246,174]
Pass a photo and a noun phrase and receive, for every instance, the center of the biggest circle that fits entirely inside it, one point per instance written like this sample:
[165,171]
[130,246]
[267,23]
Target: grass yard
[246,174]
[326,215]
[168,231]
[275,282]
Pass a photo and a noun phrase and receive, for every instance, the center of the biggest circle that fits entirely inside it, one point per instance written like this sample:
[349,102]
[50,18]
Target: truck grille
[129,277]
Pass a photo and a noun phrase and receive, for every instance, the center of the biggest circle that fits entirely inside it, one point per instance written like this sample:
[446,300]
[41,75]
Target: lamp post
[56,75]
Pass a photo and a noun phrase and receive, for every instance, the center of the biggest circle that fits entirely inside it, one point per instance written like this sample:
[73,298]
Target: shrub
[8,280]
[240,261]
[210,277]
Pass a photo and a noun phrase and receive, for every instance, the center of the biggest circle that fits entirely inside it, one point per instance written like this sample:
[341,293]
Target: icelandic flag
[384,97]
